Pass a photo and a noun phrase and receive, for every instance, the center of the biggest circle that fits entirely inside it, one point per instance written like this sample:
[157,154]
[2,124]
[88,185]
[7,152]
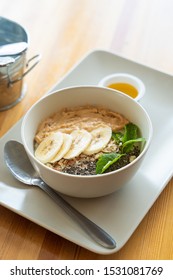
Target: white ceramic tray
[119,213]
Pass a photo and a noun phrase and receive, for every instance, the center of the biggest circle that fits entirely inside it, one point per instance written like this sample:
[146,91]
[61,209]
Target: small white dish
[126,83]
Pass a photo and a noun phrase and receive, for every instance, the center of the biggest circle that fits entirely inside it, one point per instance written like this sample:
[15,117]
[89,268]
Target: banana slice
[81,140]
[100,138]
[67,141]
[49,147]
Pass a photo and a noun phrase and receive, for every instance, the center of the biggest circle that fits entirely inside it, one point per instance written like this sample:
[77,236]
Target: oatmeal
[86,140]
[85,117]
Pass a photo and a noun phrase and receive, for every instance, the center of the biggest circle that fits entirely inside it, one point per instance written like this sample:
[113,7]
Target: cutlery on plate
[20,166]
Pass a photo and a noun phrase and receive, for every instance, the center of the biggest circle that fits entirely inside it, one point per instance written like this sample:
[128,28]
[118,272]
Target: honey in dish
[125,88]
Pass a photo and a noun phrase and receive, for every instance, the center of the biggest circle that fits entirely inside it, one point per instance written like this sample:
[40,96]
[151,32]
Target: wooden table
[64,31]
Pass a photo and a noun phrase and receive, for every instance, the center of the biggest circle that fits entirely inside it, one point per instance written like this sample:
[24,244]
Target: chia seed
[124,160]
[82,168]
[86,165]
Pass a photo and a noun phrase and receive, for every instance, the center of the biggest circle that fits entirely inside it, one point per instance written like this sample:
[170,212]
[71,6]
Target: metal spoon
[19,164]
[13,48]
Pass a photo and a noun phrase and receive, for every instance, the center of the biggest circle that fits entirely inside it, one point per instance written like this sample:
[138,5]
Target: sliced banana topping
[100,138]
[49,147]
[60,145]
[67,142]
[81,140]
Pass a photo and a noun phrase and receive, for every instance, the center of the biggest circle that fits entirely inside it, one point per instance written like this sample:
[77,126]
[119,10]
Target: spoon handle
[97,233]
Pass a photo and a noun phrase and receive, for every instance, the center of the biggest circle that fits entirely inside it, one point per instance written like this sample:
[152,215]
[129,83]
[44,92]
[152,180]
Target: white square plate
[120,213]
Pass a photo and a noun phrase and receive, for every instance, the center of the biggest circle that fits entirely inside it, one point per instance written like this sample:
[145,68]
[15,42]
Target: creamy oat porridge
[87,140]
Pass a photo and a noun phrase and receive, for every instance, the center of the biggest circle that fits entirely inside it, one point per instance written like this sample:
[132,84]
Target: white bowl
[125,78]
[93,185]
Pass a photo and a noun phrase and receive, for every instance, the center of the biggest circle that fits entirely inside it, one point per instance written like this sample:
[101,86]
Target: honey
[125,88]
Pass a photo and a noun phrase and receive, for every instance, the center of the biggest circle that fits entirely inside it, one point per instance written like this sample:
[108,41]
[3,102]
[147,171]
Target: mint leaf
[117,137]
[131,132]
[105,161]
[129,145]
[128,141]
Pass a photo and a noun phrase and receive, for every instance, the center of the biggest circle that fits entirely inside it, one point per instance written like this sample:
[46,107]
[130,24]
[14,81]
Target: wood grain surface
[63,32]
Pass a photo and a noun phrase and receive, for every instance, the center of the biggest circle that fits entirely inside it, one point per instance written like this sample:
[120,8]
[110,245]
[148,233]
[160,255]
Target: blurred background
[64,31]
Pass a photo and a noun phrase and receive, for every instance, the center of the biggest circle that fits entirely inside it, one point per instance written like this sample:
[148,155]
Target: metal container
[12,88]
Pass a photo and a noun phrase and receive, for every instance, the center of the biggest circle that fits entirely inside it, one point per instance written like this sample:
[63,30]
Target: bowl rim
[146,146]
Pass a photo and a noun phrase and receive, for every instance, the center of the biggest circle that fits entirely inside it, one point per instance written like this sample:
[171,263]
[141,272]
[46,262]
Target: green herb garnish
[131,134]
[105,161]
[126,140]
